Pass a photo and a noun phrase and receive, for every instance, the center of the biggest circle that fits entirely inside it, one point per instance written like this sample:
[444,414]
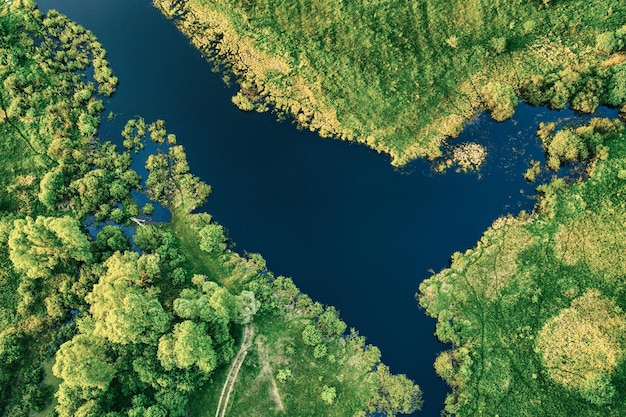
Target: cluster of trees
[131,354]
[584,86]
[49,112]
[169,181]
[55,174]
[577,143]
[102,189]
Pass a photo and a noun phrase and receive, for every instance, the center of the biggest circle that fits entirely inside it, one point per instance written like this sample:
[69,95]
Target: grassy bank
[402,76]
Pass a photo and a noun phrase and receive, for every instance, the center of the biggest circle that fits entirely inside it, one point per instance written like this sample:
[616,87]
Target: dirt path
[267,370]
[229,384]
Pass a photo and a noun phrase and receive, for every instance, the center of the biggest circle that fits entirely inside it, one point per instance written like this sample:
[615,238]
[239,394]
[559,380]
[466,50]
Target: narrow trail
[235,366]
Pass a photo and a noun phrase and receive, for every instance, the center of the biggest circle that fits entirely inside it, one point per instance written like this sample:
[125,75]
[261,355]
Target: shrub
[329,394]
[311,335]
[283,374]
[607,43]
[498,44]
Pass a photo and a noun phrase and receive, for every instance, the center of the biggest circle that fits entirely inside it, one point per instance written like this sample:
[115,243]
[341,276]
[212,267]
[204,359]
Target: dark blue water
[352,231]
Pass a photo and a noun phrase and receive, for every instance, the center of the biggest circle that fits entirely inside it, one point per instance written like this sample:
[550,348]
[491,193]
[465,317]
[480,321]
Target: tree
[188,345]
[109,240]
[396,394]
[91,190]
[11,352]
[52,188]
[134,132]
[248,306]
[124,311]
[212,239]
[607,43]
[157,131]
[37,247]
[617,86]
[81,363]
[330,324]
[169,181]
[224,304]
[565,146]
[500,99]
[147,238]
[311,335]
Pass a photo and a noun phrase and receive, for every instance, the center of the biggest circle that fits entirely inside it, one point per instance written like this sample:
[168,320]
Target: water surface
[352,231]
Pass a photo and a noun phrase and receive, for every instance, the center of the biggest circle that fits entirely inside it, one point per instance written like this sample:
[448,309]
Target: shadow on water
[351,230]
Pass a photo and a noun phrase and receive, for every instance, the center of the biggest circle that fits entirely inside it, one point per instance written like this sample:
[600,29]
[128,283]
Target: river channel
[350,229]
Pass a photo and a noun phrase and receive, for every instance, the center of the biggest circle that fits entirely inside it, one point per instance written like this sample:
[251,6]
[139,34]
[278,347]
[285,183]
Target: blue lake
[352,231]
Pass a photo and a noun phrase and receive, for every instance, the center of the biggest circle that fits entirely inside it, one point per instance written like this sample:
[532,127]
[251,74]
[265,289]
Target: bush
[498,44]
[283,374]
[606,43]
[311,335]
[329,394]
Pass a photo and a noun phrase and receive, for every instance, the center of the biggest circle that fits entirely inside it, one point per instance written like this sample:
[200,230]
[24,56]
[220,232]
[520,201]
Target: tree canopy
[38,246]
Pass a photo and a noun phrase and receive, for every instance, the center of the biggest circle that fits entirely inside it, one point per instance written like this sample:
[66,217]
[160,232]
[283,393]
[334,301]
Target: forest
[106,311]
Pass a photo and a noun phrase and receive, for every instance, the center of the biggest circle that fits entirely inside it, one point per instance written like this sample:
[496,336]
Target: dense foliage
[535,312]
[401,76]
[106,310]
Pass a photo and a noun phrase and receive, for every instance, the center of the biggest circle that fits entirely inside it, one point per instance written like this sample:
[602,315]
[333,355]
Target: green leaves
[212,239]
[124,311]
[37,247]
[169,181]
[188,345]
[81,363]
[396,393]
[500,99]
